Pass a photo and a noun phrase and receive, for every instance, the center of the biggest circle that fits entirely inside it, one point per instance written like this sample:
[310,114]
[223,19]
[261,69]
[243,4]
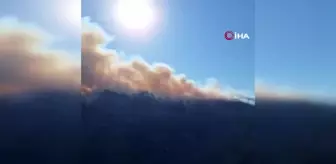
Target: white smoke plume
[27,63]
[104,68]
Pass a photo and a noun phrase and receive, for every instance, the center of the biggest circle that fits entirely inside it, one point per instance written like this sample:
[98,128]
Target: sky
[294,48]
[295,45]
[189,38]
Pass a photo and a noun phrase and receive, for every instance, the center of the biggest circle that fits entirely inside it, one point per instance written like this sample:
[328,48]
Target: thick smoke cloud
[27,63]
[104,68]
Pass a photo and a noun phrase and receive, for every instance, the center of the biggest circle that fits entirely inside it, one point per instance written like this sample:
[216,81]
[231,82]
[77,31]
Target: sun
[135,14]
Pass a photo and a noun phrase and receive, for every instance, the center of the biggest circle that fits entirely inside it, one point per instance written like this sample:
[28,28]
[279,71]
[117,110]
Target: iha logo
[230,35]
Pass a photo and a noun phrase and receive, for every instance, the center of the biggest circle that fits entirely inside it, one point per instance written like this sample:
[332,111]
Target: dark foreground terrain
[44,128]
[119,129]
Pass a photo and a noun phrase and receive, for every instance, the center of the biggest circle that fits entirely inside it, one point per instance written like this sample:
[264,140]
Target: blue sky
[295,44]
[190,39]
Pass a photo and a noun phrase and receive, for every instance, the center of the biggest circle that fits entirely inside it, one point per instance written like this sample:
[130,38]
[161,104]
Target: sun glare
[135,14]
[67,15]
